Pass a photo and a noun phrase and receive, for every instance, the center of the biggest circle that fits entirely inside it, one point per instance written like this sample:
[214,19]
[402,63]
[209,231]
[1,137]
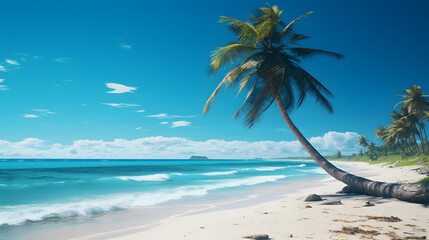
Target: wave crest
[219,173]
[151,178]
[14,215]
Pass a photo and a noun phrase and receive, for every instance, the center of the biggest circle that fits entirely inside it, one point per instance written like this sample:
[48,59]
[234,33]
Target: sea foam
[151,178]
[13,215]
[219,173]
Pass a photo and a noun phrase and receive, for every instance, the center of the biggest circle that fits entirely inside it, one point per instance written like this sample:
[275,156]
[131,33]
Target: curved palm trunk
[408,192]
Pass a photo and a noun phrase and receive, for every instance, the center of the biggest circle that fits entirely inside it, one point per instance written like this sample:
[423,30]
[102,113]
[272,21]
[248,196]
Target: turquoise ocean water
[34,190]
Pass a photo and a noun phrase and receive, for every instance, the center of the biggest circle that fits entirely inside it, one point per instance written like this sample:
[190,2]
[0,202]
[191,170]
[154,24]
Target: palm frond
[265,20]
[230,78]
[313,87]
[245,80]
[288,32]
[223,55]
[297,37]
[245,32]
[247,97]
[308,53]
[257,104]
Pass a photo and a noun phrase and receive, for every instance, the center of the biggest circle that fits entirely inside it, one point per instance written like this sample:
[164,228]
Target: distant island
[198,157]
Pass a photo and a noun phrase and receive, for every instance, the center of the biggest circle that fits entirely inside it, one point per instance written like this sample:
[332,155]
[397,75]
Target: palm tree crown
[268,64]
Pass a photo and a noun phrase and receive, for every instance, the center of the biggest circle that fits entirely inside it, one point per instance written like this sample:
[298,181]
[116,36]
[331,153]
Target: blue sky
[56,58]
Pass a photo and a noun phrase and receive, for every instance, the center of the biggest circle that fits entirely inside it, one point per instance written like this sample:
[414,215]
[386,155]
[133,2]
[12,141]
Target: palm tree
[411,121]
[382,133]
[400,130]
[268,64]
[415,101]
[363,142]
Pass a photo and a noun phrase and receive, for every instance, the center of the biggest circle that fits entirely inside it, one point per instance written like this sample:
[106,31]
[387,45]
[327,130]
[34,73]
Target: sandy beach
[293,218]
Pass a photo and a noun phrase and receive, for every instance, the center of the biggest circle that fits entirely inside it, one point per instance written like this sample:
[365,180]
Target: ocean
[34,191]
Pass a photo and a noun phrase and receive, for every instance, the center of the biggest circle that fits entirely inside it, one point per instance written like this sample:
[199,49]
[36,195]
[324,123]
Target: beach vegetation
[406,132]
[424,180]
[338,155]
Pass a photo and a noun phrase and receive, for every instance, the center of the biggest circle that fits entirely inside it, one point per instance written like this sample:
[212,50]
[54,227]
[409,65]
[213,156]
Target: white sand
[288,217]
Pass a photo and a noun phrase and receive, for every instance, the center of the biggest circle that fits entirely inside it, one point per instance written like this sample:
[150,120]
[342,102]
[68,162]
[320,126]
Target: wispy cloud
[176,147]
[39,112]
[119,88]
[165,115]
[180,124]
[141,111]
[29,116]
[43,111]
[3,87]
[125,46]
[12,62]
[61,59]
[121,105]
[2,68]
[163,122]
[160,115]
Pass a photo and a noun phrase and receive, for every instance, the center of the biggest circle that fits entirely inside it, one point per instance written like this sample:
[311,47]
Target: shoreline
[139,219]
[268,205]
[291,216]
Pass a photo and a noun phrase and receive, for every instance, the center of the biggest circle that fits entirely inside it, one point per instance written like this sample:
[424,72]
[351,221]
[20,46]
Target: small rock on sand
[423,171]
[313,197]
[331,202]
[348,189]
[258,237]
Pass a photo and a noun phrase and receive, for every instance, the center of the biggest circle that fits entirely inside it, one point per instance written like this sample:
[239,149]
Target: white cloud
[178,116]
[175,147]
[121,105]
[2,69]
[125,46]
[335,140]
[160,115]
[163,122]
[12,62]
[180,124]
[165,115]
[3,87]
[61,59]
[141,111]
[43,111]
[29,115]
[84,104]
[119,88]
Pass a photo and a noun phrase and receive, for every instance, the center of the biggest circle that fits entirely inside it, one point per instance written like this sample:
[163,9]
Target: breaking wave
[13,215]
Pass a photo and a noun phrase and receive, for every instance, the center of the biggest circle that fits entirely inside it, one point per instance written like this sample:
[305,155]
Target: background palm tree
[363,142]
[268,65]
[416,102]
